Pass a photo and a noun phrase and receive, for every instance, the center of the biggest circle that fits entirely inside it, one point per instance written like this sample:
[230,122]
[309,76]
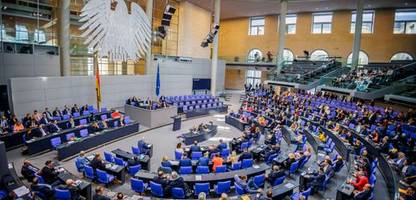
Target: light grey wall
[198,68]
[28,94]
[27,65]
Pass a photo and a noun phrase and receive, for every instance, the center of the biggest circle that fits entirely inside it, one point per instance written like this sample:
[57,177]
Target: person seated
[177,181]
[216,161]
[222,145]
[45,189]
[248,185]
[18,127]
[49,174]
[204,160]
[364,194]
[38,131]
[360,181]
[70,123]
[161,179]
[338,163]
[195,147]
[179,148]
[133,161]
[48,113]
[57,112]
[185,161]
[27,172]
[270,150]
[327,168]
[274,174]
[53,127]
[410,172]
[322,136]
[165,162]
[99,194]
[97,162]
[44,120]
[194,130]
[115,114]
[245,155]
[398,163]
[288,162]
[102,124]
[72,188]
[95,128]
[316,180]
[232,158]
[82,161]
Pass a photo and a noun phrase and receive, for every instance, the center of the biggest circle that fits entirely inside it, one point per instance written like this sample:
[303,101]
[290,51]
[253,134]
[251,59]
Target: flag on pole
[157,81]
[97,81]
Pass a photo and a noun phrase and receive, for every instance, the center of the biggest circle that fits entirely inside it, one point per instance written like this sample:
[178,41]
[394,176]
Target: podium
[177,122]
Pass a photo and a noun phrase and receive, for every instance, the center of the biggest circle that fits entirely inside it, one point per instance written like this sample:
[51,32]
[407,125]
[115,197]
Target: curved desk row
[237,123]
[189,138]
[212,178]
[344,150]
[37,145]
[94,140]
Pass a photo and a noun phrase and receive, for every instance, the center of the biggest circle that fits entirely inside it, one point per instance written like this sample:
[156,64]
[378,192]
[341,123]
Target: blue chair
[103,117]
[83,133]
[259,180]
[76,114]
[221,169]
[279,180]
[223,187]
[126,119]
[201,187]
[239,190]
[178,193]
[236,166]
[89,172]
[105,178]
[196,155]
[132,170]
[85,112]
[137,185]
[120,162]
[323,185]
[372,180]
[55,142]
[247,163]
[90,108]
[135,150]
[108,157]
[202,170]
[244,145]
[156,189]
[82,121]
[293,167]
[40,179]
[69,136]
[79,166]
[62,194]
[185,170]
[178,155]
[65,117]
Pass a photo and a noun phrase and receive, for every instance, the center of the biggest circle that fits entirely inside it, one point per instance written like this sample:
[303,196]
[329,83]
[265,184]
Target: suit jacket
[178,182]
[57,113]
[53,128]
[45,189]
[203,161]
[245,155]
[49,175]
[162,181]
[43,120]
[27,173]
[73,189]
[97,164]
[275,174]
[195,148]
[185,162]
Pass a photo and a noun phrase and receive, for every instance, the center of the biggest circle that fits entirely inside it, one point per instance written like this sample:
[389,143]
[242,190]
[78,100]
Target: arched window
[288,56]
[254,55]
[362,59]
[319,55]
[402,56]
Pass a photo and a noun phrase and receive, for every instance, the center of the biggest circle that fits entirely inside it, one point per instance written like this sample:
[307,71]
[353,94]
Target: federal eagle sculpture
[112,32]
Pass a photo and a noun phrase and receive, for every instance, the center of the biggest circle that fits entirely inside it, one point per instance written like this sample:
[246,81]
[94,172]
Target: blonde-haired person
[233,157]
[224,196]
[202,196]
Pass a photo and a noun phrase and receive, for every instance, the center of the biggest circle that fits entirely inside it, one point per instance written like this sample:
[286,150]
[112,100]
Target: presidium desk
[151,118]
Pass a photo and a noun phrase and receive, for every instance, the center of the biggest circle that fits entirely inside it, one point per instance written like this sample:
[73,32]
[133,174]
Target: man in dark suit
[57,112]
[185,161]
[97,162]
[275,174]
[66,110]
[27,172]
[44,119]
[222,145]
[45,189]
[177,181]
[161,179]
[75,109]
[195,147]
[363,195]
[48,113]
[53,127]
[245,155]
[49,174]
[38,131]
[72,188]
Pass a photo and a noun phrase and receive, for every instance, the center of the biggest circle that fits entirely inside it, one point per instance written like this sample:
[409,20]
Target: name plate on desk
[198,177]
[289,185]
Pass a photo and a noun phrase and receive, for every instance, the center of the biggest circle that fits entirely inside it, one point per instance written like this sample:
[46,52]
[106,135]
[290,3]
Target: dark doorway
[4,99]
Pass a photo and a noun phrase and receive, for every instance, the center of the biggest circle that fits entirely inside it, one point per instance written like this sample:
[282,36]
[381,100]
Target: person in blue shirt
[165,162]
[204,160]
[222,145]
[82,161]
[195,147]
[185,161]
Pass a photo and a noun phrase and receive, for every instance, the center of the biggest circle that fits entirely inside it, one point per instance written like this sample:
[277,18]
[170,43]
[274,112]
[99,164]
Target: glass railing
[245,59]
[28,37]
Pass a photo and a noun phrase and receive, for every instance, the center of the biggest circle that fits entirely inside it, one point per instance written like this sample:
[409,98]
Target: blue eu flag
[158,81]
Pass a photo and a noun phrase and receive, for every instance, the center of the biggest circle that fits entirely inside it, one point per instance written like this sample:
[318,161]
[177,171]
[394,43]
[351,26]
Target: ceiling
[247,8]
